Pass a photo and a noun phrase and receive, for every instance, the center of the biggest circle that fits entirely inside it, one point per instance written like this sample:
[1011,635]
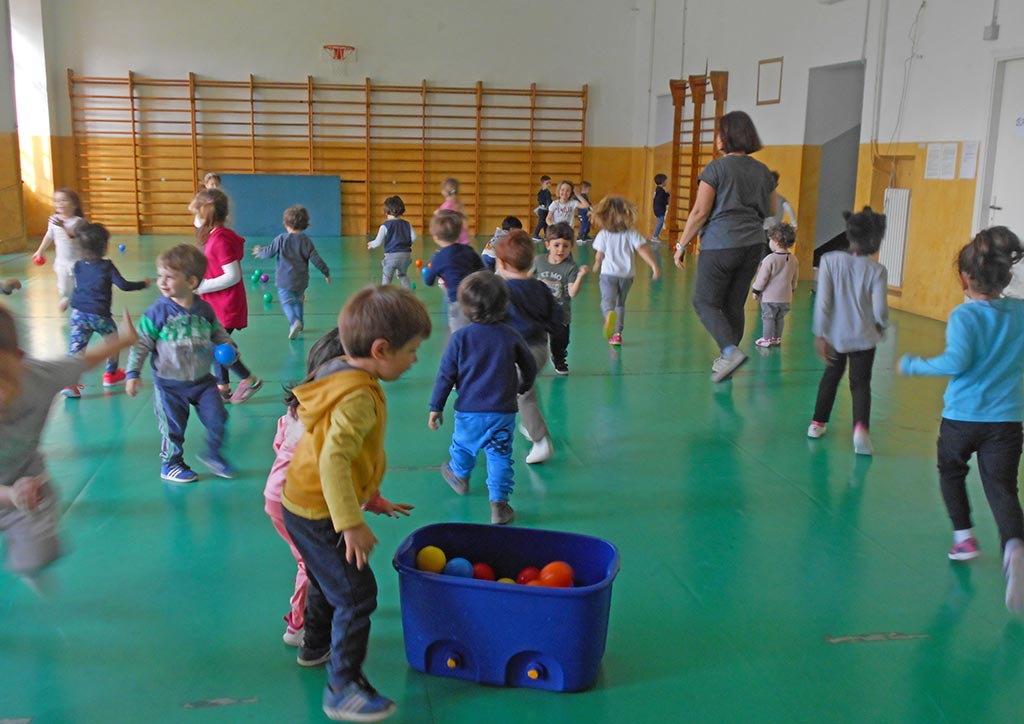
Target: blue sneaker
[217,465]
[358,701]
[178,473]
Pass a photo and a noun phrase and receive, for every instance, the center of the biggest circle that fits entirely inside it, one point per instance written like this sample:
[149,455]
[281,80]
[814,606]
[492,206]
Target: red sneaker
[113,379]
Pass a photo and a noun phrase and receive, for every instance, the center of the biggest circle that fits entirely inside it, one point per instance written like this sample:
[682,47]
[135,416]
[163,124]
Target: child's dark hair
[545,178]
[323,350]
[865,230]
[511,222]
[184,258]
[296,218]
[738,133]
[776,176]
[211,206]
[394,206]
[381,312]
[988,258]
[93,240]
[783,234]
[446,225]
[516,250]
[614,213]
[561,230]
[73,196]
[584,185]
[660,179]
[484,297]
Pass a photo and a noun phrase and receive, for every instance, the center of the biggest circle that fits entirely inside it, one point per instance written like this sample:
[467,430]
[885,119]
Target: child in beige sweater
[775,283]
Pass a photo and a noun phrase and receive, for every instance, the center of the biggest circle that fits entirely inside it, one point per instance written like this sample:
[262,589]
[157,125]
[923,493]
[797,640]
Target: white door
[1006,204]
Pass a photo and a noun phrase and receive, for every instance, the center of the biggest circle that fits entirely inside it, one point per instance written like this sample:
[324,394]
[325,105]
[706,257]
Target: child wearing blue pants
[180,331]
[490,365]
[294,251]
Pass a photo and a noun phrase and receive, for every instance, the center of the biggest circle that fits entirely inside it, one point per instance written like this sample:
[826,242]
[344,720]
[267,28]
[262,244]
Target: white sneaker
[293,637]
[524,432]
[862,441]
[730,363]
[295,330]
[1013,569]
[540,451]
[764,342]
[815,430]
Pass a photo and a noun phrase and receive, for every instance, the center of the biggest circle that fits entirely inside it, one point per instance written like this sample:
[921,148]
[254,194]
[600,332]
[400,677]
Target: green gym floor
[764,577]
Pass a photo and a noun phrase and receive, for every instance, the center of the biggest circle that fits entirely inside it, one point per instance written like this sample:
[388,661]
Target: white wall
[508,43]
[8,122]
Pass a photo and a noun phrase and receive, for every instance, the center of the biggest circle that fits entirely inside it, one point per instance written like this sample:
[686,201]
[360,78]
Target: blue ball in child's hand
[225,353]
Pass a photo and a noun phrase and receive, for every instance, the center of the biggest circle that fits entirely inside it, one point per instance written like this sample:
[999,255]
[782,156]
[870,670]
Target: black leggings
[240,370]
[998,447]
[721,289]
[860,385]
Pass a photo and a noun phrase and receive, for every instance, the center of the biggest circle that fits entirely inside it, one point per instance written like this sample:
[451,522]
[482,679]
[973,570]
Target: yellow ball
[431,559]
[505,580]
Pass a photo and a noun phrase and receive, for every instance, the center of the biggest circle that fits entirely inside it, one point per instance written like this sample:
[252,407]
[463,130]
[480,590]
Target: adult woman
[735,194]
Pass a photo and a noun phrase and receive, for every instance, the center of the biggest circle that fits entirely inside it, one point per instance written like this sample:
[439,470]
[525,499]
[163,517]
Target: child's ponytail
[988,258]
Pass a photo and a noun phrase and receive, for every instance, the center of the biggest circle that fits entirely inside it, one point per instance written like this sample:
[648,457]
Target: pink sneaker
[72,392]
[615,340]
[245,390]
[965,551]
[776,341]
[764,342]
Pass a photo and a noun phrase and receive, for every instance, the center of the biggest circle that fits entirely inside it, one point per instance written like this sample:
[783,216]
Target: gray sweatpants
[31,535]
[614,291]
[396,263]
[773,314]
[529,405]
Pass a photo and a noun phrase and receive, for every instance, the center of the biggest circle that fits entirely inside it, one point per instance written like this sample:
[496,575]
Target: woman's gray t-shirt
[743,196]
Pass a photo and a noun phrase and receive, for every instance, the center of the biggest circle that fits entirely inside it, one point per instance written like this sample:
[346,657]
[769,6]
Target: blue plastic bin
[504,634]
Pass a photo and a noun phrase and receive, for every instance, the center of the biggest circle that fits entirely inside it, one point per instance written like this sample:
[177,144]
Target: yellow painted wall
[798,168]
[940,225]
[12,218]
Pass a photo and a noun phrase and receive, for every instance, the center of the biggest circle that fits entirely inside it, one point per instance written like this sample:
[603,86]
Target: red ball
[39,260]
[483,572]
[557,574]
[535,582]
[527,574]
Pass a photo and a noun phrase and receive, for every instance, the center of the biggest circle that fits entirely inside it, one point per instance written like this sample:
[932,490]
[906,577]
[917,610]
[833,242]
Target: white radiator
[894,244]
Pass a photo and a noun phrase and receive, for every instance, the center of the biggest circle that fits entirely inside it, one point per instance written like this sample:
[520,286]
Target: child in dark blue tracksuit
[181,331]
[490,364]
[397,235]
[294,252]
[584,213]
[91,299]
[543,202]
[451,263]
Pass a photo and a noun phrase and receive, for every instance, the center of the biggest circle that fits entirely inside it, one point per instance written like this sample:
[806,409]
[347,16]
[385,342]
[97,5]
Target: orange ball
[557,574]
[534,582]
[419,263]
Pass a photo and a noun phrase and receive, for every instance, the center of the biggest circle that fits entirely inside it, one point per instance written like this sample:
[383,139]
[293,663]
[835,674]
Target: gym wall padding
[258,202]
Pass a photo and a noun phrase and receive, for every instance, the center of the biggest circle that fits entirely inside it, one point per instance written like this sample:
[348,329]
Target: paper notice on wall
[969,159]
[941,161]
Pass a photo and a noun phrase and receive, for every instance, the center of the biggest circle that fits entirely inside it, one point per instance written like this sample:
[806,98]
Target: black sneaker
[313,657]
[561,368]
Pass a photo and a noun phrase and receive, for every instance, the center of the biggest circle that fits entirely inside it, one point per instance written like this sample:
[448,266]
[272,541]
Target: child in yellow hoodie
[338,465]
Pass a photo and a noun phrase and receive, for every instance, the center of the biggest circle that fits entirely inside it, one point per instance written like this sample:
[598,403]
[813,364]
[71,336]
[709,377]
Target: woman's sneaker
[816,430]
[358,701]
[730,363]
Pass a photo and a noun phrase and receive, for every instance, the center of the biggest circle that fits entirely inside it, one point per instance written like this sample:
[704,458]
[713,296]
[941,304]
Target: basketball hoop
[338,52]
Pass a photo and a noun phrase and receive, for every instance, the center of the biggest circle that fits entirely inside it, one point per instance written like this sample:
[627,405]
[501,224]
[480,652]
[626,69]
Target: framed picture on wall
[769,81]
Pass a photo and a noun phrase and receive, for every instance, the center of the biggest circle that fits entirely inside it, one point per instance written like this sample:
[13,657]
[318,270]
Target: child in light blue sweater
[984,401]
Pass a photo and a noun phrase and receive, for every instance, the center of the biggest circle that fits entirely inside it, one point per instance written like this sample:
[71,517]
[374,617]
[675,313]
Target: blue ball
[120,247]
[424,271]
[225,354]
[458,567]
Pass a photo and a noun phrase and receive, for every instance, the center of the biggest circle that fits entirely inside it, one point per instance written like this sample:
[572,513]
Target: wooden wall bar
[143,144]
